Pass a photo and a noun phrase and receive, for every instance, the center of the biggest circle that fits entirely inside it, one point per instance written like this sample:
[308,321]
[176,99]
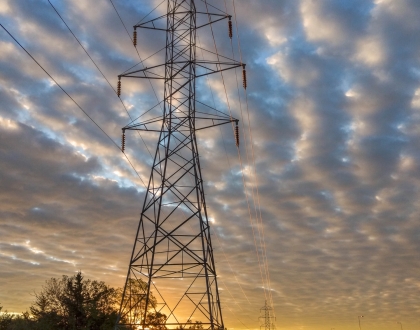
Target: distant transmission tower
[267,317]
[171,281]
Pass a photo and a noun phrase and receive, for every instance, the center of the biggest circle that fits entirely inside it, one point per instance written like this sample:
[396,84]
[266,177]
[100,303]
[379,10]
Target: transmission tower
[267,317]
[171,281]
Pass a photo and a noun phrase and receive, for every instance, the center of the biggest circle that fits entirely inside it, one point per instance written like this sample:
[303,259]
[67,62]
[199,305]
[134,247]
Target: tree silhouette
[72,303]
[5,319]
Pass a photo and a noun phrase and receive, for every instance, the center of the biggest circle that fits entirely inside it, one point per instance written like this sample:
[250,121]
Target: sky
[330,134]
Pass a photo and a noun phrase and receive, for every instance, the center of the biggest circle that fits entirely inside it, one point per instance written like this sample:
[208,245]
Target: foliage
[198,325]
[135,297]
[73,303]
[5,319]
[156,321]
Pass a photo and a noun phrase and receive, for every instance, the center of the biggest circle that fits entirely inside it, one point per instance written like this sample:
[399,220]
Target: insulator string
[123,141]
[237,134]
[244,82]
[135,37]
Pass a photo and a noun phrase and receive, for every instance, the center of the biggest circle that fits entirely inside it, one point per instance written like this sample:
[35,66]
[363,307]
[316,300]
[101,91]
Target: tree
[72,303]
[5,319]
[136,297]
[156,321]
[198,325]
[24,322]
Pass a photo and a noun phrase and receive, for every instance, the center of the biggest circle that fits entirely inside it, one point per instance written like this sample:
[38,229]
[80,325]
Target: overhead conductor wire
[254,164]
[217,236]
[141,61]
[227,157]
[74,101]
[242,168]
[99,71]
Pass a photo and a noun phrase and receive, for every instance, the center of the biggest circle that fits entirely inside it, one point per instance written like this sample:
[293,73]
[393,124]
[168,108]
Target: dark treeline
[74,303]
[68,303]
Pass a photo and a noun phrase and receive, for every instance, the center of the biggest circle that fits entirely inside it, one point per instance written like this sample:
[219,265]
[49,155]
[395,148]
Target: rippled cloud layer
[333,118]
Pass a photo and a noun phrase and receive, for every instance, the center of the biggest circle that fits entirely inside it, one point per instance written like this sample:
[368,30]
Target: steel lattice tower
[267,317]
[171,279]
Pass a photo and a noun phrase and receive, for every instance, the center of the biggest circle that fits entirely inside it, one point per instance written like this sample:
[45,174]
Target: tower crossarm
[158,23]
[154,125]
[156,71]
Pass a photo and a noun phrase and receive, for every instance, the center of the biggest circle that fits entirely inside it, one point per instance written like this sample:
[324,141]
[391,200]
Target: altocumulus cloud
[334,107]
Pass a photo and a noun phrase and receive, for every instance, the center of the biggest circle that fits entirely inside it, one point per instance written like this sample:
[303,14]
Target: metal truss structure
[171,281]
[267,318]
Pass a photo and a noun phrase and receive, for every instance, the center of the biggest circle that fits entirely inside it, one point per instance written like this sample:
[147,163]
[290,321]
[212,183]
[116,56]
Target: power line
[103,75]
[261,266]
[120,19]
[141,61]
[74,101]
[254,184]
[151,12]
[253,159]
[227,157]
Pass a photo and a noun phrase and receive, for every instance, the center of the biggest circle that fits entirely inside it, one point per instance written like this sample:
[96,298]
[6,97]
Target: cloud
[333,108]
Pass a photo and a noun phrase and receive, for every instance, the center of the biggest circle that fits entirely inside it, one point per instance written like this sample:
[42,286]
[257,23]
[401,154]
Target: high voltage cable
[264,267]
[141,61]
[62,19]
[217,236]
[144,60]
[74,101]
[254,186]
[246,153]
[221,280]
[120,18]
[231,269]
[253,158]
[150,12]
[258,214]
[239,156]
[242,169]
[224,145]
[257,202]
